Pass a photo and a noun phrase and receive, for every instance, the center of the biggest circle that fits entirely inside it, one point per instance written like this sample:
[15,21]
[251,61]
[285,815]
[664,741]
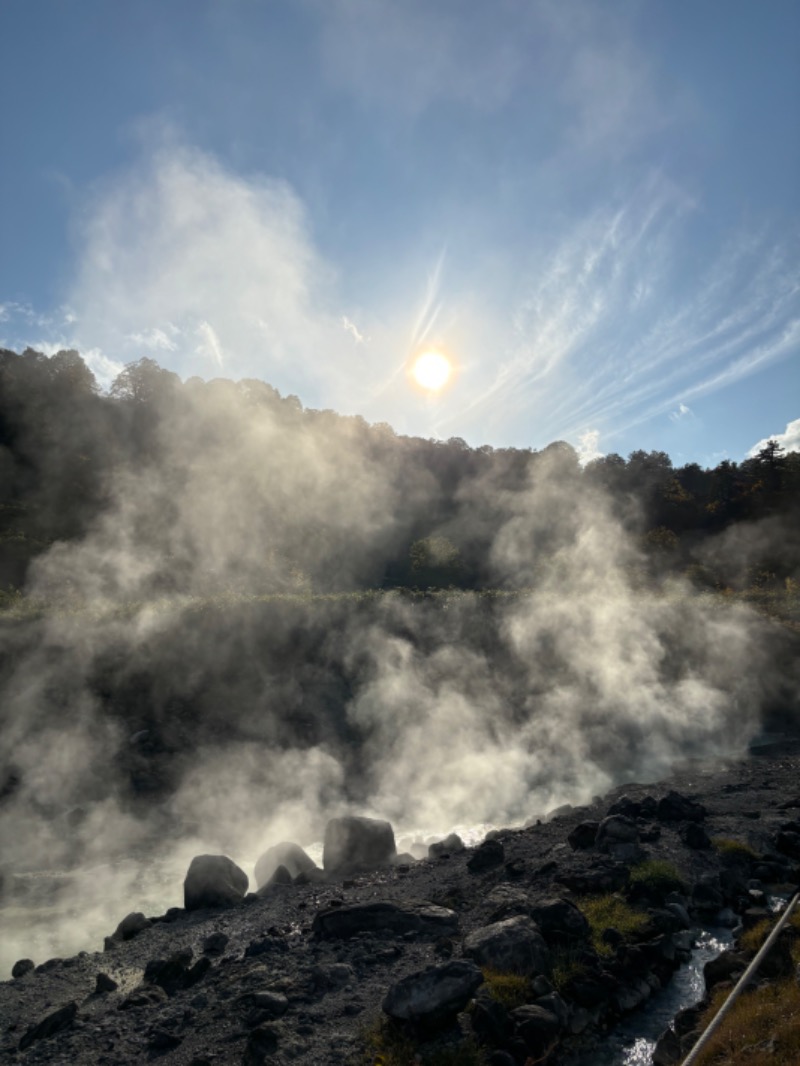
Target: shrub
[386,1044]
[510,989]
[657,877]
[734,850]
[611,911]
[566,967]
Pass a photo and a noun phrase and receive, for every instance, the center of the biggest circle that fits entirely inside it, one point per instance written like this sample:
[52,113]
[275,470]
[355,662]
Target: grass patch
[657,876]
[611,912]
[566,967]
[734,850]
[752,939]
[386,1044]
[510,989]
[762,1029]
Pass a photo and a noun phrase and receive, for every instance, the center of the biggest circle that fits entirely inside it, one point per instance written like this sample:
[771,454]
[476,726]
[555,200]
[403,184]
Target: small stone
[451,845]
[104,983]
[694,836]
[53,1023]
[677,808]
[163,1040]
[261,1042]
[275,1004]
[583,835]
[215,943]
[22,967]
[487,855]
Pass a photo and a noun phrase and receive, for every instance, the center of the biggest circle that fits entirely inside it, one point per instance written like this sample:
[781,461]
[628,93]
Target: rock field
[379,950]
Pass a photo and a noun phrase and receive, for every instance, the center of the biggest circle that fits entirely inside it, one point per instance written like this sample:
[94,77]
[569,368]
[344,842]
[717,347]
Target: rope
[742,983]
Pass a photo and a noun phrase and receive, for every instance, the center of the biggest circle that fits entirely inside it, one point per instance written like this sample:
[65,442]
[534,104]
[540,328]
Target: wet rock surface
[302,972]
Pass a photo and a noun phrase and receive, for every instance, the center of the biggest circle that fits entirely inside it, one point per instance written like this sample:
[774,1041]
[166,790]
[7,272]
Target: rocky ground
[310,969]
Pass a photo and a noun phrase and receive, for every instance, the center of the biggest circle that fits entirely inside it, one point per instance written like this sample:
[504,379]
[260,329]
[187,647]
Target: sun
[431,370]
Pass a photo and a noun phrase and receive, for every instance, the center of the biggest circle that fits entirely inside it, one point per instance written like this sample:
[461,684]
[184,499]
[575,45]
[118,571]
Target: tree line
[330,502]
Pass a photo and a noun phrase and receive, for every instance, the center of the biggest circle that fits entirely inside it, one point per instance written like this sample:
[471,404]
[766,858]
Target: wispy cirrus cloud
[612,330]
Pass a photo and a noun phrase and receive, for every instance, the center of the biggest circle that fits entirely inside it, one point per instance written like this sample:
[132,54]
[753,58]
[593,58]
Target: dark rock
[583,836]
[261,1042]
[163,1040]
[788,843]
[451,845]
[280,876]
[502,1058]
[505,901]
[707,894]
[355,843]
[515,868]
[328,978]
[385,916]
[616,829]
[594,878]
[50,964]
[677,808]
[104,983]
[130,926]
[215,943]
[725,967]
[538,1028]
[511,946]
[266,945]
[490,1021]
[175,974]
[559,920]
[144,997]
[54,1023]
[553,1002]
[649,834]
[487,855]
[591,990]
[694,836]
[273,1004]
[286,854]
[21,967]
[435,994]
[213,881]
[626,806]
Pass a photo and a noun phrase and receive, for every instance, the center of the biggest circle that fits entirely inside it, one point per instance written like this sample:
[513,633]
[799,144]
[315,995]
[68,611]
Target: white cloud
[155,340]
[209,347]
[181,256]
[789,440]
[352,328]
[681,413]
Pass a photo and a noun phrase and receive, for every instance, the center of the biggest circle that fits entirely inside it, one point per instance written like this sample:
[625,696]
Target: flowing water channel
[633,1041]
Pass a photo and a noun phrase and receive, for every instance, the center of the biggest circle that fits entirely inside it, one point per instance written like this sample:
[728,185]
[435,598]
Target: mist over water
[181,690]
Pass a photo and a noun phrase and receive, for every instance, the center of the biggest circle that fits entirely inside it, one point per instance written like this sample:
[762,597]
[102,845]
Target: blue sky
[592,208]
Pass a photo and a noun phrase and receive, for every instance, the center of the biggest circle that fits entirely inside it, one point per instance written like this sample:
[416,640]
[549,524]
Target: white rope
[742,983]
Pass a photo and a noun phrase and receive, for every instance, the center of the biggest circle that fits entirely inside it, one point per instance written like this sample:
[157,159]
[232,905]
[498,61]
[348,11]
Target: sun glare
[431,371]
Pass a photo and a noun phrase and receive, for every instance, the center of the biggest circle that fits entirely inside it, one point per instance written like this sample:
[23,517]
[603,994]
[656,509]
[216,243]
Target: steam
[179,650]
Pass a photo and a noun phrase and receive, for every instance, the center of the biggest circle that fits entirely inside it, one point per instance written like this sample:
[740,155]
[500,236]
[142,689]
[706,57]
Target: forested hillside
[229,487]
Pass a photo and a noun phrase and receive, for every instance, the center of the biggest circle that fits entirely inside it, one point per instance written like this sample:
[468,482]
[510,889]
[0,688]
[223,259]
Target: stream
[632,1042]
